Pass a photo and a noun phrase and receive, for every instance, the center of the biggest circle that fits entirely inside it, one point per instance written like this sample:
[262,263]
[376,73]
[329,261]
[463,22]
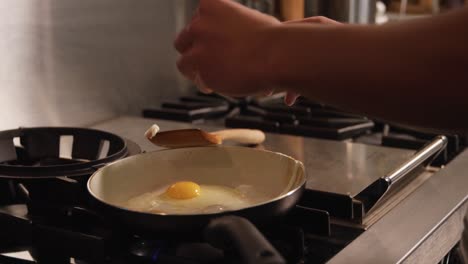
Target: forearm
[414,73]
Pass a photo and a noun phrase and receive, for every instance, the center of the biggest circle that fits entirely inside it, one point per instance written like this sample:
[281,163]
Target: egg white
[212,199]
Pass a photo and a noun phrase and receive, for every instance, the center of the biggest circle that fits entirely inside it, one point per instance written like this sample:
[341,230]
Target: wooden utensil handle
[244,136]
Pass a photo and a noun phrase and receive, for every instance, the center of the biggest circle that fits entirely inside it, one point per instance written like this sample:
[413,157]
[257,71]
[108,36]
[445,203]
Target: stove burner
[48,167]
[46,152]
[190,109]
[85,236]
[390,135]
[306,118]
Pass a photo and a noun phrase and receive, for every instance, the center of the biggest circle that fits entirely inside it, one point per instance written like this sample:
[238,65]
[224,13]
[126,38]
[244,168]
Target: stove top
[306,118]
[428,201]
[47,212]
[270,114]
[305,236]
[343,154]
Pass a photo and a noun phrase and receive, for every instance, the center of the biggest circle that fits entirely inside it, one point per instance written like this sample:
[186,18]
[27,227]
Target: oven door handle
[430,150]
[374,193]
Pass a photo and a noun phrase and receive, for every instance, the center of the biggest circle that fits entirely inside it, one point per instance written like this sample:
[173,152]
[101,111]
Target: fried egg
[191,198]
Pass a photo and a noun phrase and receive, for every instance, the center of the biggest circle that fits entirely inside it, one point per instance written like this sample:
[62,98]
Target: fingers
[315,20]
[187,66]
[291,98]
[201,84]
[184,44]
[184,40]
[268,92]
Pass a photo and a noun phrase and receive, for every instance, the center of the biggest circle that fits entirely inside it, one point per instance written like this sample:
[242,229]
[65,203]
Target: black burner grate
[306,118]
[57,151]
[48,167]
[269,114]
[84,235]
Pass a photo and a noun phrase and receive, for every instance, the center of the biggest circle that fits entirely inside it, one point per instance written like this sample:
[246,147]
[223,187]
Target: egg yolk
[183,190]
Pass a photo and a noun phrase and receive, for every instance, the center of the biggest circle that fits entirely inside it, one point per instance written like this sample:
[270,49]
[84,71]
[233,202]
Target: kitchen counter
[420,229]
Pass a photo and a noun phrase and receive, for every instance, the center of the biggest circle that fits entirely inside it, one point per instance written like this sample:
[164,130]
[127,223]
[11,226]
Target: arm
[415,73]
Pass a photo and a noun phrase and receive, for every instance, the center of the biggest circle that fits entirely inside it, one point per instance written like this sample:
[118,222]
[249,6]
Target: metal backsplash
[69,62]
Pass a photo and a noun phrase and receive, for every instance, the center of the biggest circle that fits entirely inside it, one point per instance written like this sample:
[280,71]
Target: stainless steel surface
[408,226]
[385,187]
[67,62]
[351,11]
[464,242]
[430,150]
[441,241]
[338,167]
[403,191]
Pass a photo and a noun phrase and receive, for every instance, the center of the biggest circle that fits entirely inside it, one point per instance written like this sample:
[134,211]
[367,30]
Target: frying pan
[279,179]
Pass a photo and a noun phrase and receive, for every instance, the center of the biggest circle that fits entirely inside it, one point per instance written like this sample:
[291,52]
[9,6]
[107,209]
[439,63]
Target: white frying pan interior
[271,175]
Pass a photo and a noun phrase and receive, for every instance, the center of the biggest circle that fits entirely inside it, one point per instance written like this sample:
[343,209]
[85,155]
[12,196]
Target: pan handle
[234,233]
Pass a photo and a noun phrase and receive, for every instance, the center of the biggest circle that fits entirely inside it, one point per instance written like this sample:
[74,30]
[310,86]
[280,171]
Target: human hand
[223,48]
[315,20]
[291,97]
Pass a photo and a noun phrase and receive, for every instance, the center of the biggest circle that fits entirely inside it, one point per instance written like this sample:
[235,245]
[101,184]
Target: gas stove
[269,114]
[51,217]
[345,216]
[79,234]
[306,118]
